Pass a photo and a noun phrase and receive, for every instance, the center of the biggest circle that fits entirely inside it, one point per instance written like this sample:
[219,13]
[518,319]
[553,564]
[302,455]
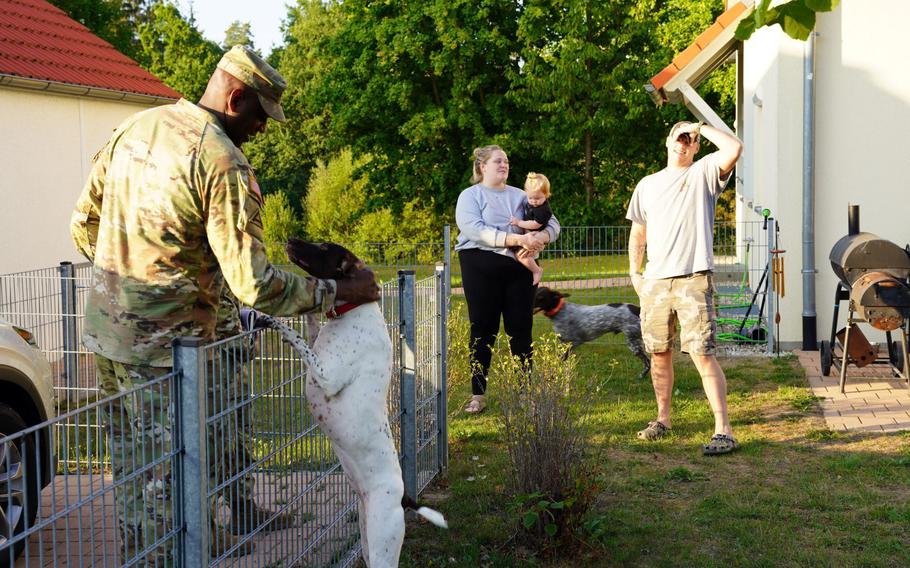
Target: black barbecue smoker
[874,276]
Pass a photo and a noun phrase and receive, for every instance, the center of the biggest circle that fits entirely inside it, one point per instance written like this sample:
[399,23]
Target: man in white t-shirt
[672,214]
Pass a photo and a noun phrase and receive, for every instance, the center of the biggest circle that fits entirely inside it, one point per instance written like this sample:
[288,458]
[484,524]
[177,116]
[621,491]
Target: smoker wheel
[896,356]
[827,356]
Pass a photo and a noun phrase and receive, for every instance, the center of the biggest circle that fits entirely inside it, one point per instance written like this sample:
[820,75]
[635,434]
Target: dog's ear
[349,262]
[341,259]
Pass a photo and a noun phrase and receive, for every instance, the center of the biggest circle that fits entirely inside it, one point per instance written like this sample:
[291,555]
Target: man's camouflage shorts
[687,300]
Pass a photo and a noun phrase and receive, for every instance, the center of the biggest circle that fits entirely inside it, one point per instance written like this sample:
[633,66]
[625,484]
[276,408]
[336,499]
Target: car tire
[20,484]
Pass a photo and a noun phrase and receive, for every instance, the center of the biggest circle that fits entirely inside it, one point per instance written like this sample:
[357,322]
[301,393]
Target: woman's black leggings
[496,286]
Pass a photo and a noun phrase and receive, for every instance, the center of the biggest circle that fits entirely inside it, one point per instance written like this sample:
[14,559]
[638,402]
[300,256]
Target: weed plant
[544,412]
[459,353]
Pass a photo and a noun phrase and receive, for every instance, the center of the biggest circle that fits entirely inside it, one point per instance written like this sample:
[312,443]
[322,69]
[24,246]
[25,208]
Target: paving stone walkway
[874,399]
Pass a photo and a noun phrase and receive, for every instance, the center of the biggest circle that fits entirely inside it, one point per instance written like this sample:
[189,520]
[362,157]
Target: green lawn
[796,494]
[557,266]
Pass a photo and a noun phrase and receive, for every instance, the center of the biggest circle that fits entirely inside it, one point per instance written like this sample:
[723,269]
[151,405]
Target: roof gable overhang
[714,47]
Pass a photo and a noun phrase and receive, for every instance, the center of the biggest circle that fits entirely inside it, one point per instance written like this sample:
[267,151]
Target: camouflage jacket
[170,212]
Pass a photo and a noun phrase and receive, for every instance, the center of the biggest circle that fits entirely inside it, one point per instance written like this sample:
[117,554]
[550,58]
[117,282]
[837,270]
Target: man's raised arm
[729,148]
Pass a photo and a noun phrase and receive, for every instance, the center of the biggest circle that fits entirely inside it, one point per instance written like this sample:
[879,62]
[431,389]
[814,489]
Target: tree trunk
[436,98]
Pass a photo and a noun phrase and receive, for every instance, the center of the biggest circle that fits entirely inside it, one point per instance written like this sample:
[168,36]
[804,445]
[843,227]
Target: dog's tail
[431,515]
[259,320]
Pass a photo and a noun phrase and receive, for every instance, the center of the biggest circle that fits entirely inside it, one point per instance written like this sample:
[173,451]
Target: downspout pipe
[810,336]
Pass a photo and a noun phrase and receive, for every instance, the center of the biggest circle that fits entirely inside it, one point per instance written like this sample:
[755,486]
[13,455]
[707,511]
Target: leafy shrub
[375,227]
[544,415]
[279,224]
[335,199]
[337,209]
[538,512]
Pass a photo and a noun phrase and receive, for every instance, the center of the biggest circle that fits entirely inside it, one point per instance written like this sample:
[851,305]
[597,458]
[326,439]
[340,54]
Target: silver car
[27,462]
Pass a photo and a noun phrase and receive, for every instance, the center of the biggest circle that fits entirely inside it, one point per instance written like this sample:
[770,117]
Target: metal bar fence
[240,414]
[428,388]
[592,263]
[73,521]
[49,303]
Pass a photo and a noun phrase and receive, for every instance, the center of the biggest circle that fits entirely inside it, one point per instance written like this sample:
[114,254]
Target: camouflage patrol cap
[243,63]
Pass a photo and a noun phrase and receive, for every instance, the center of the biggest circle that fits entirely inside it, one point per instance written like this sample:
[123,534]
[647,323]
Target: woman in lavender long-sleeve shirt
[495,284]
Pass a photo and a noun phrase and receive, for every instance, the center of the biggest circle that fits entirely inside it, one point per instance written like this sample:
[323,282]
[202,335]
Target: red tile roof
[725,20]
[39,41]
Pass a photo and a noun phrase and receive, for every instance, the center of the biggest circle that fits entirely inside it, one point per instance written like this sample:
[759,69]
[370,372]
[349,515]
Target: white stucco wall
[863,113]
[862,117]
[771,167]
[46,148]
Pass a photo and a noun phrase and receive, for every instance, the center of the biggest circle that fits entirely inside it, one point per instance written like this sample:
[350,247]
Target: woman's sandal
[477,405]
[654,431]
[720,444]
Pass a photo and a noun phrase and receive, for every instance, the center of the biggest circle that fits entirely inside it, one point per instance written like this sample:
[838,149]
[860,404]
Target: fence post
[447,235]
[68,321]
[192,466]
[442,424]
[771,299]
[408,381]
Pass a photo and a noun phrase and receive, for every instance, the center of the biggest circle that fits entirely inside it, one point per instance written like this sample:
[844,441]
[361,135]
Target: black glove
[250,320]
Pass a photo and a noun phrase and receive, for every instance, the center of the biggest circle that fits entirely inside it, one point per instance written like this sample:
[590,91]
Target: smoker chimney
[853,219]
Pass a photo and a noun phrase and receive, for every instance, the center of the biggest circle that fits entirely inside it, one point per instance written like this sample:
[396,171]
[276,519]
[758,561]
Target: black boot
[247,516]
[221,541]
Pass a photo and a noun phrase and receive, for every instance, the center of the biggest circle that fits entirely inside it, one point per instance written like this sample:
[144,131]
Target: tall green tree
[285,155]
[594,131]
[107,19]
[417,85]
[578,55]
[137,13]
[238,33]
[175,51]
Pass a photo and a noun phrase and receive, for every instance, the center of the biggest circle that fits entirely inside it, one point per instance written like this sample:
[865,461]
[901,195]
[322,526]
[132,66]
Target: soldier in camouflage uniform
[672,214]
[169,215]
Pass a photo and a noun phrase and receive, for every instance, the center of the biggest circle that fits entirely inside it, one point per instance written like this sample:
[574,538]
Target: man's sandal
[477,405]
[720,444]
[655,431]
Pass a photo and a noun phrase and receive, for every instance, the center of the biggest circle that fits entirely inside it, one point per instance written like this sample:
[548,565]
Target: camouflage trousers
[139,427]
[688,300]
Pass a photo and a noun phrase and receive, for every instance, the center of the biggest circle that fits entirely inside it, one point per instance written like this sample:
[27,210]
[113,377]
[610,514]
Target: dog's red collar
[555,310]
[338,311]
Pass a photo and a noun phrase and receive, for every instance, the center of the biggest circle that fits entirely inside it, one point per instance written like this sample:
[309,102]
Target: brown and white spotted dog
[578,323]
[347,389]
